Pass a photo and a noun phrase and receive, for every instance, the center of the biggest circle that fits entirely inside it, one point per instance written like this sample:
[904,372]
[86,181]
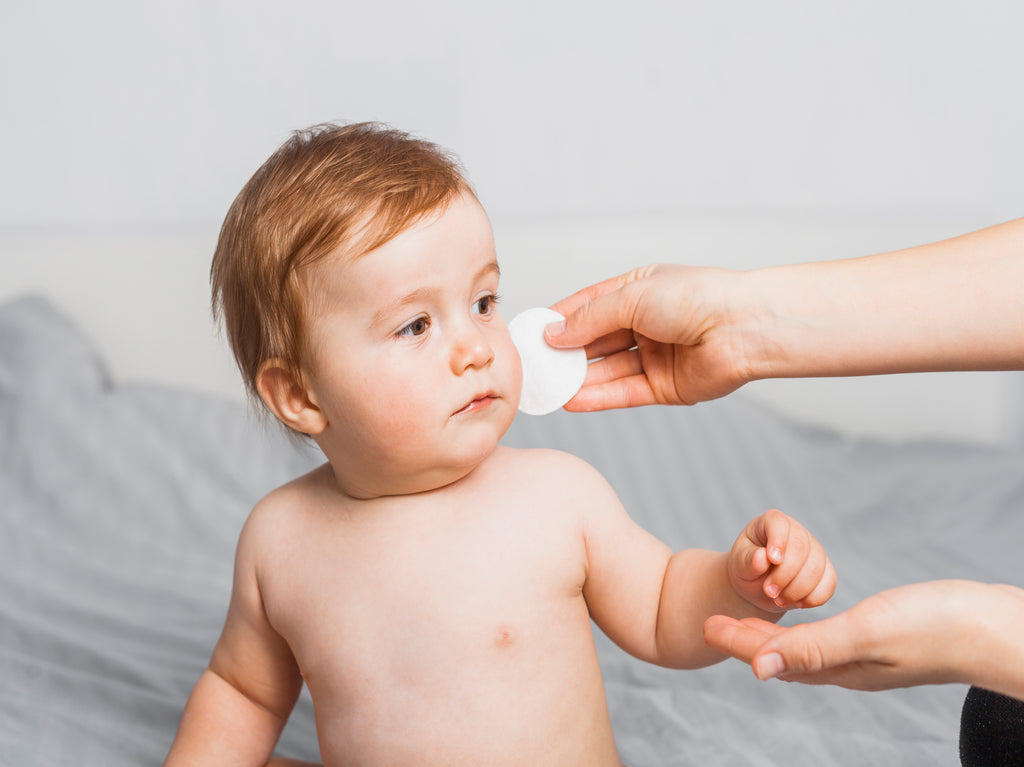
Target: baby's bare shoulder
[539,459]
[291,504]
[551,470]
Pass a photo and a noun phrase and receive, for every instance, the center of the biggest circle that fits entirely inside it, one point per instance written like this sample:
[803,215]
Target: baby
[433,588]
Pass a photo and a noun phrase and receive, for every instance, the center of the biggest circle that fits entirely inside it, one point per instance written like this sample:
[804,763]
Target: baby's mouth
[479,403]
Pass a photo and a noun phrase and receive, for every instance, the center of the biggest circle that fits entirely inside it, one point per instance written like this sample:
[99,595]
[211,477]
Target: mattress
[122,503]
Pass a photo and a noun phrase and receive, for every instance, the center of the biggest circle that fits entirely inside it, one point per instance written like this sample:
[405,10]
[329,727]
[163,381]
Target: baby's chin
[448,476]
[469,449]
[472,453]
[471,456]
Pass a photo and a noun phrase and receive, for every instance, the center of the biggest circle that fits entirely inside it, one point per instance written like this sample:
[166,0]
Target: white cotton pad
[550,376]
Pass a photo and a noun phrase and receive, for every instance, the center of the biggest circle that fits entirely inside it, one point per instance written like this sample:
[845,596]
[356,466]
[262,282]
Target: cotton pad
[550,376]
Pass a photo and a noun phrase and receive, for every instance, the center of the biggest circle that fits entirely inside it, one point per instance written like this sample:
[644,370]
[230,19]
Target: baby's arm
[653,603]
[241,702]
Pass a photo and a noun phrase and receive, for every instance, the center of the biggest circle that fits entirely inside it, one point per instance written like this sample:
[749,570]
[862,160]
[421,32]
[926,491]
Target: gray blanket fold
[121,505]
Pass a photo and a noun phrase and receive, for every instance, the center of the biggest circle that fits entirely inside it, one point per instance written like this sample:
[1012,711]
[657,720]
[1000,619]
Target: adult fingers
[740,639]
[814,653]
[793,653]
[570,304]
[594,312]
[617,341]
[613,367]
[631,391]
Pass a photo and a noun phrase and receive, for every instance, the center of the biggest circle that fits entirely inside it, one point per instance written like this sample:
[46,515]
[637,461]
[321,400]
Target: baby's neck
[360,487]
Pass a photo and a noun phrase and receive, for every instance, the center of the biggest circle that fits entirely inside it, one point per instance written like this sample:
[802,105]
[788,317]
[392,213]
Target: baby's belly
[523,696]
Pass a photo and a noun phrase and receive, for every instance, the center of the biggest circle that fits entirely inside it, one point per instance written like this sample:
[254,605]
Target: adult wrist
[759,325]
[805,322]
[991,629]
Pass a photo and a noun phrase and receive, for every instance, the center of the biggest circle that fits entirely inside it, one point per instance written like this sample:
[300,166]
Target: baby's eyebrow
[487,269]
[422,294]
[393,307]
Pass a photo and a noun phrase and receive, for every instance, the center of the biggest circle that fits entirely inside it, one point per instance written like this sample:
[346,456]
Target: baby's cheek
[508,366]
[404,420]
[515,375]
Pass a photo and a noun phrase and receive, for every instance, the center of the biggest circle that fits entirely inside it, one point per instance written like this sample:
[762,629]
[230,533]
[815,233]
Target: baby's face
[411,361]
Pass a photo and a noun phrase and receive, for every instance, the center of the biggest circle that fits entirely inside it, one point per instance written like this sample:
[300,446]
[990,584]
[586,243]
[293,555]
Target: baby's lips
[470,405]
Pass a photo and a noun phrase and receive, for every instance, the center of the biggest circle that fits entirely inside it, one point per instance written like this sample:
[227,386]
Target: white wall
[159,110]
[125,117]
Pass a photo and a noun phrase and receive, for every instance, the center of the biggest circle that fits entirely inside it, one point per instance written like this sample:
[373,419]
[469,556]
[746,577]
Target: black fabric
[991,730]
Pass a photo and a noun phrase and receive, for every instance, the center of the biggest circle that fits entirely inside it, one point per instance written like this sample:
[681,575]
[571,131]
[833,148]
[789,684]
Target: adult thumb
[576,330]
[804,649]
[591,313]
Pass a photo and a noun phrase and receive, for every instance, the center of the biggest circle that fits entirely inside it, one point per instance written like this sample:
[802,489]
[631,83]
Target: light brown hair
[329,188]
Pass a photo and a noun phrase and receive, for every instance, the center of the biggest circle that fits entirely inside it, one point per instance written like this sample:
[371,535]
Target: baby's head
[328,189]
[356,278]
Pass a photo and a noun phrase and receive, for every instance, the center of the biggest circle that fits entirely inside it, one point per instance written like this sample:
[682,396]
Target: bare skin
[419,622]
[924,633]
[677,335]
[433,589]
[391,609]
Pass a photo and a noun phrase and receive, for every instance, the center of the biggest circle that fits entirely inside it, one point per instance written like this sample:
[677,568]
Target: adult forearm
[951,305]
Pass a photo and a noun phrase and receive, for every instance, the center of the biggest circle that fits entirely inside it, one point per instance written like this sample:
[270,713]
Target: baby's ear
[288,398]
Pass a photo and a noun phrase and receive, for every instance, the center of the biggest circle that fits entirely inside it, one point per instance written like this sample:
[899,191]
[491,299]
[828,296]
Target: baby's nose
[470,349]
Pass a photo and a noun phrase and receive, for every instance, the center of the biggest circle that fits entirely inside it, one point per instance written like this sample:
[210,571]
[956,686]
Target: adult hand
[678,335]
[925,633]
[670,335]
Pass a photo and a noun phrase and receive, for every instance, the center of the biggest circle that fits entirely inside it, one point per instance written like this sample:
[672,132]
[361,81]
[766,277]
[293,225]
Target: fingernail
[556,329]
[775,555]
[770,666]
[771,590]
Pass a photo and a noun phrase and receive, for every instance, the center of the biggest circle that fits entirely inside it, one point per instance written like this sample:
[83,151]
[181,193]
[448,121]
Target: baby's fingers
[790,574]
[751,561]
[822,590]
[806,576]
[771,530]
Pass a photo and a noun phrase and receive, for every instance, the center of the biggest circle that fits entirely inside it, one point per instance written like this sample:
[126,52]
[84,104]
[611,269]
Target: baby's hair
[328,190]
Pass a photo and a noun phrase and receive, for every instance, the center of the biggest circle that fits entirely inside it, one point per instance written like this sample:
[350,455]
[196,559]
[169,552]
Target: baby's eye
[415,328]
[486,304]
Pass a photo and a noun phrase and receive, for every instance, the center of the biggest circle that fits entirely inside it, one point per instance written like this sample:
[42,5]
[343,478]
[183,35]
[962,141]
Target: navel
[506,635]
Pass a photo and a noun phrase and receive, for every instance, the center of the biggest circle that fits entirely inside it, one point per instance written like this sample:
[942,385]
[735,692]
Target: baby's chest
[421,612]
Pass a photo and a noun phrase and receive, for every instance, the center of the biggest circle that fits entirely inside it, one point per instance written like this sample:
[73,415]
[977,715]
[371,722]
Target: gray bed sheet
[121,505]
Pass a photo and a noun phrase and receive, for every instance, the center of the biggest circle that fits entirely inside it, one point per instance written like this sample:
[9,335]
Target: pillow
[42,352]
[121,506]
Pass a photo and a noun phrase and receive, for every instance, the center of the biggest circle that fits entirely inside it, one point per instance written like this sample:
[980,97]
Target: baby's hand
[776,564]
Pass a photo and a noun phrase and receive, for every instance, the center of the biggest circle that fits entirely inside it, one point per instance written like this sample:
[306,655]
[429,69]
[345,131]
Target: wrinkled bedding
[121,505]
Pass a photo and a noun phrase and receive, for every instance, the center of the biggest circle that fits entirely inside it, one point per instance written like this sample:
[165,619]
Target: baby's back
[446,627]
